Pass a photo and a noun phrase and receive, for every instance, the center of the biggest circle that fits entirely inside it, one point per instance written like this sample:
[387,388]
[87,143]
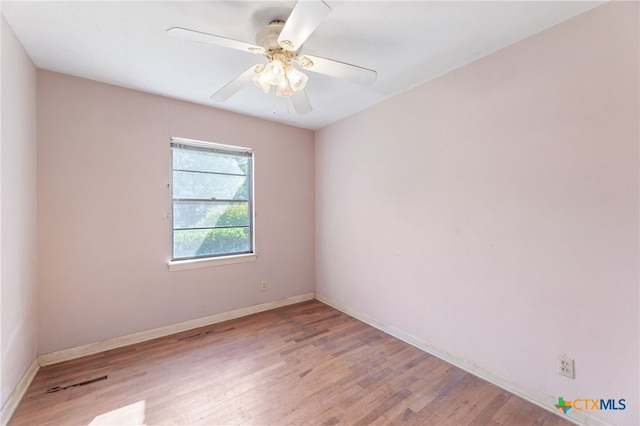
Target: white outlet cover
[566,367]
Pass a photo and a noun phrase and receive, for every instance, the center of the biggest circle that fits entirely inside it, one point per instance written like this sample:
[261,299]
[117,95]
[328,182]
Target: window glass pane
[203,214]
[211,200]
[204,242]
[209,186]
[185,159]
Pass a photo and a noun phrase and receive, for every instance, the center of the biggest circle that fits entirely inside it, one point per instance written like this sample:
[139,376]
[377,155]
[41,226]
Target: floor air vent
[195,336]
[75,385]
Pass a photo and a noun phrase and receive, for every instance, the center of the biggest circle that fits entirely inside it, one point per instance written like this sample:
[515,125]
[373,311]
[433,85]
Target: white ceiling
[407,42]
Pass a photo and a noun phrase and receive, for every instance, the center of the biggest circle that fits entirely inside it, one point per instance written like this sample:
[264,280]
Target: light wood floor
[302,364]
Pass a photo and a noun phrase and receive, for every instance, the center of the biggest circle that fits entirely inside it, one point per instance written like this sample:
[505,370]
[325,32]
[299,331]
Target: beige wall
[18,238]
[493,212]
[103,163]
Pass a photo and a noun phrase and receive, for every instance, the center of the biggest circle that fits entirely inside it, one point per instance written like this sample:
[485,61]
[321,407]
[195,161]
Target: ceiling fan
[281,42]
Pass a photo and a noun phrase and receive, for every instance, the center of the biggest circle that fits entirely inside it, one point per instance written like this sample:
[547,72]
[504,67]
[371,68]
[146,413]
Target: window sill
[180,265]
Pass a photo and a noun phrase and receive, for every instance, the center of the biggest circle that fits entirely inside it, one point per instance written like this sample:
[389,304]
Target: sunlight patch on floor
[132,414]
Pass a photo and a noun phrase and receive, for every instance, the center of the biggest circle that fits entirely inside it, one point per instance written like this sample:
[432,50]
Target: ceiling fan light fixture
[284,89]
[260,79]
[280,73]
[297,79]
[274,71]
[262,84]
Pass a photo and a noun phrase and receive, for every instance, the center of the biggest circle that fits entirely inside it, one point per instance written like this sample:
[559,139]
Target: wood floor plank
[301,364]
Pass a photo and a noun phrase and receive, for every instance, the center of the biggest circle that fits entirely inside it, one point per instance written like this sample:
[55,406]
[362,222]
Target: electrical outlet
[263,285]
[565,367]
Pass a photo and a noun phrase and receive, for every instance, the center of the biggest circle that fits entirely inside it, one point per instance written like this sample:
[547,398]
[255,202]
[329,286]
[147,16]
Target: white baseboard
[117,342]
[10,406]
[532,395]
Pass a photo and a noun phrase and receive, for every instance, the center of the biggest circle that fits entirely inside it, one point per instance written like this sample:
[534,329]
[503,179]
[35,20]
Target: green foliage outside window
[200,242]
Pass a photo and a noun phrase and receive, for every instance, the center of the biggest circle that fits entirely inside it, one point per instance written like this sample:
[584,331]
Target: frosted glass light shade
[297,79]
[262,82]
[284,89]
[275,72]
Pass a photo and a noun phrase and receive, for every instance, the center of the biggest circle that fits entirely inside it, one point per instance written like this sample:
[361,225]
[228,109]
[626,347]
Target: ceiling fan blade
[191,35]
[305,17]
[234,86]
[301,102]
[338,69]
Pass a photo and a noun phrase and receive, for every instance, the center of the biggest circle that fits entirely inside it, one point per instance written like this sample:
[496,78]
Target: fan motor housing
[267,36]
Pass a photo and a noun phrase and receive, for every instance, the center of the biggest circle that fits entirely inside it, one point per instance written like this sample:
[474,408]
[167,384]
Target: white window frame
[221,259]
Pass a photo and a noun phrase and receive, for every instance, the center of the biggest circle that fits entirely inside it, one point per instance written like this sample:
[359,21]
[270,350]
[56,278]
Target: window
[212,199]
